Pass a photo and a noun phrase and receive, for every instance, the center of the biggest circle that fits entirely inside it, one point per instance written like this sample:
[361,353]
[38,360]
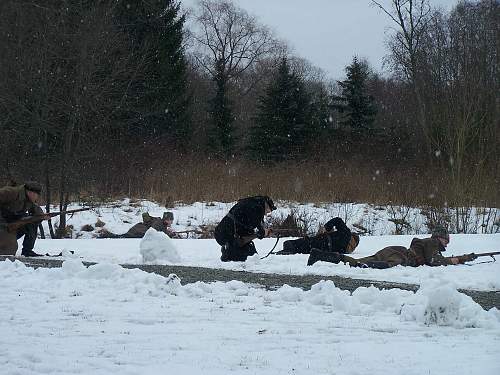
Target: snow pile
[158,248]
[439,303]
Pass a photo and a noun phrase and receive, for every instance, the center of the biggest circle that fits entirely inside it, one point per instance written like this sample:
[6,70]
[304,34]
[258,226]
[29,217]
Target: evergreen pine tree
[356,105]
[283,122]
[156,31]
[221,139]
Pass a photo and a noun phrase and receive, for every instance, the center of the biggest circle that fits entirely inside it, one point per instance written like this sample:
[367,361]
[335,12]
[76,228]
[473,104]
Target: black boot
[325,256]
[378,264]
[30,253]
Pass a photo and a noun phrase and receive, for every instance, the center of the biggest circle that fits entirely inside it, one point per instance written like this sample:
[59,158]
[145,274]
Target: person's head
[33,190]
[441,234]
[353,243]
[168,218]
[268,205]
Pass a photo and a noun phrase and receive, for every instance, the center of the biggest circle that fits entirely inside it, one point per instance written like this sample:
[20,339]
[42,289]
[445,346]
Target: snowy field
[105,319]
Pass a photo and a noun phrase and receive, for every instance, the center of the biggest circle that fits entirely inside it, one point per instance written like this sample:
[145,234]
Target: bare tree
[411,18]
[228,43]
[229,36]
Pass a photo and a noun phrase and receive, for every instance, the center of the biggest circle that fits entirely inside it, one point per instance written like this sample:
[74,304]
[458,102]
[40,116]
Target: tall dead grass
[193,179]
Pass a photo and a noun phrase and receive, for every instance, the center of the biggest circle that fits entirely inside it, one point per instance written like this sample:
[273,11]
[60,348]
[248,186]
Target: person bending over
[243,223]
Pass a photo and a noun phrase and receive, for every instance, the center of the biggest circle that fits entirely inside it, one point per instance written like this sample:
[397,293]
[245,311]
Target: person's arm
[37,210]
[336,222]
[432,253]
[7,194]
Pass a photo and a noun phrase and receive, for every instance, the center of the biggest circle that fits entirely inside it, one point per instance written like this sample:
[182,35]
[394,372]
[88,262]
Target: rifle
[14,226]
[474,256]
[189,231]
[242,241]
[282,231]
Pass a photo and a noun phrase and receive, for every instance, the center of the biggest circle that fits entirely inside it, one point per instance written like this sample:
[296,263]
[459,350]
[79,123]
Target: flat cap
[33,186]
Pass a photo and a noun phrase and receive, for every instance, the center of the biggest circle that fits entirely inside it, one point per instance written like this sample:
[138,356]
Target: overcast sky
[328,33]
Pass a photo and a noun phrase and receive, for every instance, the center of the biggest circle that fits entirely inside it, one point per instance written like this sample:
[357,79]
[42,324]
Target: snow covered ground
[105,319]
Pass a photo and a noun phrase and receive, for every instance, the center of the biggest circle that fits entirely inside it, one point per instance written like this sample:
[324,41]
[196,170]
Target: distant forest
[110,98]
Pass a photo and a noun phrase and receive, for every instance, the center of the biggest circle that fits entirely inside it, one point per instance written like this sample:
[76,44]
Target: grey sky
[328,32]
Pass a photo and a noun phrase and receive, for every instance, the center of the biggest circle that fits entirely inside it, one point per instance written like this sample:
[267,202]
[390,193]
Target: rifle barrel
[487,254]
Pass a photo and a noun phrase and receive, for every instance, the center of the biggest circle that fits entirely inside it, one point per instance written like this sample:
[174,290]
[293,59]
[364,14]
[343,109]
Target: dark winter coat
[332,241]
[14,204]
[244,219]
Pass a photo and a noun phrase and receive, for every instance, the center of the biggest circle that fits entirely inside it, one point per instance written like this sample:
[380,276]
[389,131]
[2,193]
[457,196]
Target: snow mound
[157,248]
[442,305]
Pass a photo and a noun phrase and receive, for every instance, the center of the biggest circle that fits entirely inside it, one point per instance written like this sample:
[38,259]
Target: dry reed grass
[193,179]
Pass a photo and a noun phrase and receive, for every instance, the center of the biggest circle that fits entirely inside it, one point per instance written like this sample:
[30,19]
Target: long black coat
[243,219]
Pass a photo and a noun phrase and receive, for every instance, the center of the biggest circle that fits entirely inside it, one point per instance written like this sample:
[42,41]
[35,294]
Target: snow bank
[434,304]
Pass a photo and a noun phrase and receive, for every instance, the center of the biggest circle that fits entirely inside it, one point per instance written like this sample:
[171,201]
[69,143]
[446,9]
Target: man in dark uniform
[243,223]
[337,237]
[425,251]
[17,202]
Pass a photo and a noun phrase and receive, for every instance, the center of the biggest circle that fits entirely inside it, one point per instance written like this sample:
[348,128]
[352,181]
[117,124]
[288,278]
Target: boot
[378,264]
[288,248]
[325,256]
[30,253]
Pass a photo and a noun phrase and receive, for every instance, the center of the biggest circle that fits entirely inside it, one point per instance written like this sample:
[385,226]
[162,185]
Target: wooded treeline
[126,97]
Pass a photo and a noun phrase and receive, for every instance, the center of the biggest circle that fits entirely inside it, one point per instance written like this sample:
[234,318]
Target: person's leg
[8,242]
[232,252]
[325,256]
[386,258]
[29,232]
[299,246]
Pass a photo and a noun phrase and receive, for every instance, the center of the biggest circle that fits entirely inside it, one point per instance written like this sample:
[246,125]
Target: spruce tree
[156,32]
[355,104]
[221,139]
[283,122]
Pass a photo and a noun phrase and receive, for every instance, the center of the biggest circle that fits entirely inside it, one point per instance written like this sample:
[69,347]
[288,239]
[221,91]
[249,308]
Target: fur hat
[269,202]
[168,216]
[440,232]
[33,186]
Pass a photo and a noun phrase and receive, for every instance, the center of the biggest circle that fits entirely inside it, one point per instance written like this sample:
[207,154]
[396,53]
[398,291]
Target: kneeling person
[17,202]
[244,222]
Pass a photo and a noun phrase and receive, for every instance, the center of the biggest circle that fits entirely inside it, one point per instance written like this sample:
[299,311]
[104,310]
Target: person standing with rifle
[244,222]
[17,202]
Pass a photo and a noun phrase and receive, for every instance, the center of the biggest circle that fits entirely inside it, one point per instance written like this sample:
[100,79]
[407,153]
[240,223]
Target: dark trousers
[232,252]
[29,232]
[299,246]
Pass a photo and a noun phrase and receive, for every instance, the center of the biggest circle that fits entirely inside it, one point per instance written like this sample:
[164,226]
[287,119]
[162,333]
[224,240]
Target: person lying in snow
[337,237]
[425,251]
[161,224]
[236,231]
